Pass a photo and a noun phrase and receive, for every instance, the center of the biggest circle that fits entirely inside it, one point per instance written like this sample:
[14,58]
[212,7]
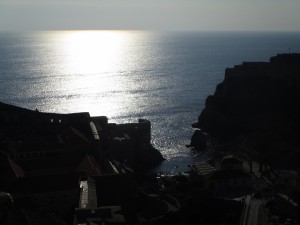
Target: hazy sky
[270,15]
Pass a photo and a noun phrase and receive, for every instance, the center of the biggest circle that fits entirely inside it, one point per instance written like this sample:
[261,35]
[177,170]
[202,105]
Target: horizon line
[156,30]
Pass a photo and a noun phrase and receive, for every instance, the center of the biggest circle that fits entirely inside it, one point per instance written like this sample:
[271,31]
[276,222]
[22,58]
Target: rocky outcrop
[260,101]
[199,140]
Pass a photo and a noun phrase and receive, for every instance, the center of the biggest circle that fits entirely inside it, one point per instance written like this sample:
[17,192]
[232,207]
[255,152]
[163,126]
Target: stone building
[225,175]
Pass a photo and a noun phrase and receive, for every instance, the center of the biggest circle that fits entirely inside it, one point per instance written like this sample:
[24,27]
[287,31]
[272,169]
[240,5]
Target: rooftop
[203,168]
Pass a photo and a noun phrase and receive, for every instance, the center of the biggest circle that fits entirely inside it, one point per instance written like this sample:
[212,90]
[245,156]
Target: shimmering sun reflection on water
[91,61]
[93,51]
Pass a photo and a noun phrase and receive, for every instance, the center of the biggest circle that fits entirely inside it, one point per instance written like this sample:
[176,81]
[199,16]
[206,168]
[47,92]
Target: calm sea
[125,75]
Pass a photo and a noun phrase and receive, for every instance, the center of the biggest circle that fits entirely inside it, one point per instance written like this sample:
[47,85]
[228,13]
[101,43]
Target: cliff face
[259,101]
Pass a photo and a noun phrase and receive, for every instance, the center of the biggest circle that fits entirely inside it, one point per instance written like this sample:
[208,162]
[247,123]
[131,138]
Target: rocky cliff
[259,103]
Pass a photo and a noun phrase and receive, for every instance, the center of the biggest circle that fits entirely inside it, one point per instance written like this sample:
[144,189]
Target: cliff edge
[258,103]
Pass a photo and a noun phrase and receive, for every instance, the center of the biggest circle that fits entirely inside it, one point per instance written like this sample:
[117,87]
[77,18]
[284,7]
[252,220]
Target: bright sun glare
[93,51]
[91,60]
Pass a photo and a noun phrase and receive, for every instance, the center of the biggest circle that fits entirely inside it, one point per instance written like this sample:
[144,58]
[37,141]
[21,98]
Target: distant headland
[255,111]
